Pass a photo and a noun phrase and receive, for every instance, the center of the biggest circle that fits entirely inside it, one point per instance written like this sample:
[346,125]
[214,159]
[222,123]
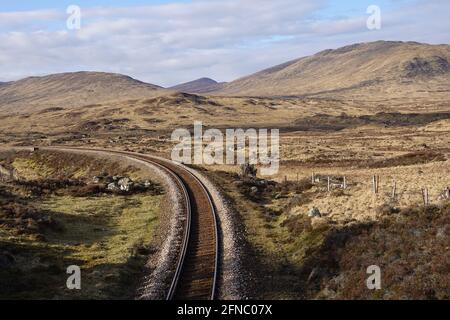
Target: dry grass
[292,256]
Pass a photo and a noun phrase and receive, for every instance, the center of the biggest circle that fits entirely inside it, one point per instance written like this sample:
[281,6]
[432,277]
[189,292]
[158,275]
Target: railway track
[197,268]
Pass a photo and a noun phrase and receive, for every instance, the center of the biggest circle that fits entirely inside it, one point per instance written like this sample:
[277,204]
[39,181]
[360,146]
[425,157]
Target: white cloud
[170,43]
[17,18]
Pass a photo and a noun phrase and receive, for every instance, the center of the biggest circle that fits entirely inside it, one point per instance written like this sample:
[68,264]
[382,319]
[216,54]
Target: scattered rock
[254,190]
[125,184]
[147,184]
[314,213]
[112,187]
[262,183]
[445,195]
[96,179]
[278,196]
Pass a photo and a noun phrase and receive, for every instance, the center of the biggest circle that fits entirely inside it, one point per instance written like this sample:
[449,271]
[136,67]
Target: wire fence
[389,189]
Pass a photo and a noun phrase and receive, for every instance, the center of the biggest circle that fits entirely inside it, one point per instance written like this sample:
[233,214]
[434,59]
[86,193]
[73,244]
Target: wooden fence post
[374,185]
[329,184]
[394,190]
[345,183]
[378,184]
[425,197]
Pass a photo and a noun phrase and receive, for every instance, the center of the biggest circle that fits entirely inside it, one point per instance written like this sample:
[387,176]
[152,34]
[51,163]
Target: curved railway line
[197,268]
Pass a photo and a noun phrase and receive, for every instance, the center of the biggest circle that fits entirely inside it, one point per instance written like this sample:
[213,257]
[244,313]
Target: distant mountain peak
[202,85]
[209,80]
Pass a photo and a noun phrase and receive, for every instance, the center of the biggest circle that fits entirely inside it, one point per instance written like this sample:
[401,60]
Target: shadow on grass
[38,272]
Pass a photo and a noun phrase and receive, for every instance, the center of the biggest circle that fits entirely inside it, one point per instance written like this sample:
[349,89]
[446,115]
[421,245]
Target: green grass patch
[108,237]
[31,169]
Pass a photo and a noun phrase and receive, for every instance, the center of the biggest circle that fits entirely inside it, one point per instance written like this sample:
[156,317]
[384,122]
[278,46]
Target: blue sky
[167,42]
[354,7]
[24,5]
[335,6]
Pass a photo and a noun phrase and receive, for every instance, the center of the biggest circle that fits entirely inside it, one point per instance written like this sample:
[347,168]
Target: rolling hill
[203,85]
[377,70]
[69,90]
[357,80]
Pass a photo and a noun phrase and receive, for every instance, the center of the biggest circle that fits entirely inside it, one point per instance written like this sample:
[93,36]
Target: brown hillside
[377,70]
[71,90]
